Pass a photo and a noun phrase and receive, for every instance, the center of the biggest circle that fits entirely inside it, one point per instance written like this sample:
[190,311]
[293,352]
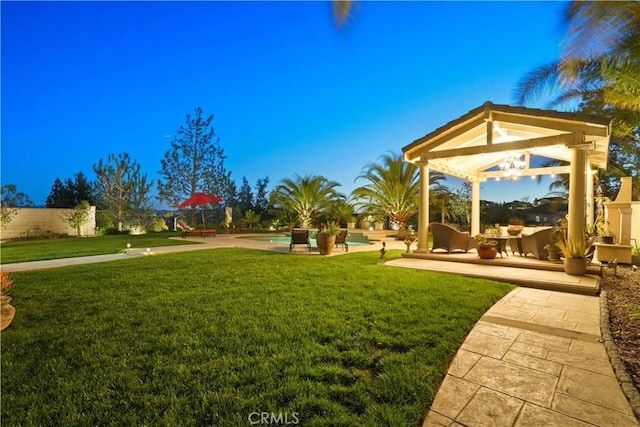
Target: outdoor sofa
[534,244]
[449,239]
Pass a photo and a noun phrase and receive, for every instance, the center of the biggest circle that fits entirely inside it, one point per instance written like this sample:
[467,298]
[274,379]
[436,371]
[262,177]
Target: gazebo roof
[473,146]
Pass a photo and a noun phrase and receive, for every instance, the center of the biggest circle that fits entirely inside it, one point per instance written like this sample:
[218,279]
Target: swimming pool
[287,239]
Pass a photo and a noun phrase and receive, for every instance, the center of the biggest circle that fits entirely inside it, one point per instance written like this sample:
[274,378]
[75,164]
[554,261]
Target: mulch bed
[623,301]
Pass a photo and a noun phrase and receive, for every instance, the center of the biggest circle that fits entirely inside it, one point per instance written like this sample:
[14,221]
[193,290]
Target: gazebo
[506,142]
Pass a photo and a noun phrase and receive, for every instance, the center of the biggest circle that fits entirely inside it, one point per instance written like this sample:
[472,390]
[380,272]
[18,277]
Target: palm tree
[599,66]
[600,69]
[441,196]
[392,188]
[307,196]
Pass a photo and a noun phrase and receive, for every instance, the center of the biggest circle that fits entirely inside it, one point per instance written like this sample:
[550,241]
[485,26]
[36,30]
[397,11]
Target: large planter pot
[7,313]
[514,231]
[635,260]
[379,225]
[351,225]
[326,242]
[575,266]
[487,251]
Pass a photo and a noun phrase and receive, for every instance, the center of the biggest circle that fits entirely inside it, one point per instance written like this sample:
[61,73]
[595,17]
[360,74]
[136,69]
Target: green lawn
[209,337]
[68,247]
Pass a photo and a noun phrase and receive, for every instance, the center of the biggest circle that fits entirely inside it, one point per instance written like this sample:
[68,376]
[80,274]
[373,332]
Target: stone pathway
[534,359]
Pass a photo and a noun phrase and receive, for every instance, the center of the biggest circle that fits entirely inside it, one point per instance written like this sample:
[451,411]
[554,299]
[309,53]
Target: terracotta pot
[326,242]
[7,313]
[487,251]
[351,225]
[575,266]
[379,225]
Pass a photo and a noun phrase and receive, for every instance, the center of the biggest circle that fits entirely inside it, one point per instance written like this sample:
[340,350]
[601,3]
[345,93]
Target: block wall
[30,220]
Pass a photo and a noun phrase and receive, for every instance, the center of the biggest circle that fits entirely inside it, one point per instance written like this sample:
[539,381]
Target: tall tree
[71,192]
[245,197]
[60,195]
[261,203]
[391,189]
[122,187]
[194,163]
[306,196]
[10,199]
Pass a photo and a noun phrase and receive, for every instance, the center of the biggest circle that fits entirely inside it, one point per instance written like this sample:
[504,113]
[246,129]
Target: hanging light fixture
[512,166]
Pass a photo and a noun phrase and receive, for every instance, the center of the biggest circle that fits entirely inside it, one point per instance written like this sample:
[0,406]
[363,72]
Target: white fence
[30,221]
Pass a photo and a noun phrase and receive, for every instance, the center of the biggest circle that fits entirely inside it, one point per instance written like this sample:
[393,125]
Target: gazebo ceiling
[474,146]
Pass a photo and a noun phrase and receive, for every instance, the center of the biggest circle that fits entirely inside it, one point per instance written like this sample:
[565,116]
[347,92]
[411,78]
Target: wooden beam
[552,123]
[502,147]
[554,170]
[433,141]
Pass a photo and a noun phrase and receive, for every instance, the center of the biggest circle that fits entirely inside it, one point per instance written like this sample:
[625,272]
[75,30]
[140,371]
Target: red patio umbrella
[200,199]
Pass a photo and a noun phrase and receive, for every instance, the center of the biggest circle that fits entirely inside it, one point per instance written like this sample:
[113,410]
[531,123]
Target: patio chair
[534,244]
[448,238]
[299,237]
[188,230]
[341,239]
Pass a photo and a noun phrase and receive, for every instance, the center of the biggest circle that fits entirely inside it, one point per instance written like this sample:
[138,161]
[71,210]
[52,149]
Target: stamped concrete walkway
[535,358]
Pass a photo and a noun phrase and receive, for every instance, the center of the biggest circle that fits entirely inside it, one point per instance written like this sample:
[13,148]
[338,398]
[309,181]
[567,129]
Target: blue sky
[290,93]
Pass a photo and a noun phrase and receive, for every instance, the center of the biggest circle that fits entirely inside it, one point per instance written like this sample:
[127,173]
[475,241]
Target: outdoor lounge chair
[188,230]
[299,237]
[534,244]
[448,238]
[341,239]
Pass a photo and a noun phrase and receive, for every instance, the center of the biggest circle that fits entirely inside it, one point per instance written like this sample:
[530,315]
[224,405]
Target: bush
[156,224]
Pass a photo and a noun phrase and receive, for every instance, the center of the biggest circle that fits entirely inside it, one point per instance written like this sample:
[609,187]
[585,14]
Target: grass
[69,247]
[209,337]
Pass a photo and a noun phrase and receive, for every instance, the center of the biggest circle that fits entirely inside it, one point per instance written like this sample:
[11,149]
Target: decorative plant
[604,228]
[557,235]
[6,284]
[635,250]
[571,248]
[484,239]
[409,239]
[331,228]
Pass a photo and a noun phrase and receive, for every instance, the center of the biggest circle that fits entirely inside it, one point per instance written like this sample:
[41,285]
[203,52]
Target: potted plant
[7,311]
[557,235]
[379,224]
[409,241]
[326,238]
[514,228]
[487,247]
[604,231]
[351,224]
[575,254]
[635,255]
[365,222]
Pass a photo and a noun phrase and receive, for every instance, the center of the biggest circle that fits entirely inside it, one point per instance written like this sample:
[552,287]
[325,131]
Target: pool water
[287,240]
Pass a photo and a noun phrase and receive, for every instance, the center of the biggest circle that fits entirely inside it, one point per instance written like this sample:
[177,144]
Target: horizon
[290,92]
